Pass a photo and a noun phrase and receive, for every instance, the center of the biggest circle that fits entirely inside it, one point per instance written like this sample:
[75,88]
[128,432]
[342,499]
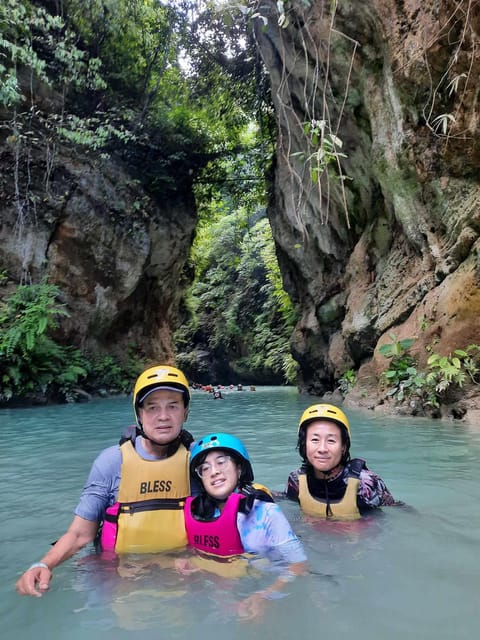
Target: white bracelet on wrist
[42,565]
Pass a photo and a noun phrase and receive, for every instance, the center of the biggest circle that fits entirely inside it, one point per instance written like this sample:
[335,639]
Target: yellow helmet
[162,376]
[324,412]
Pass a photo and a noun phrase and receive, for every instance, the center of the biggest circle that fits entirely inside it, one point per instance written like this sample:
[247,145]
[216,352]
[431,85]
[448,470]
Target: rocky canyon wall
[117,250]
[376,205]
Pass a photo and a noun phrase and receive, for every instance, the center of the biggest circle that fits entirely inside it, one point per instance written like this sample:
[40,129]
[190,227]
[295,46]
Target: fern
[30,360]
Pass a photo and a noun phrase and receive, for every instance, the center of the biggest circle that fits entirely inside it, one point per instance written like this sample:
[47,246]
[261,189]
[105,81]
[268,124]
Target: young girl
[232,516]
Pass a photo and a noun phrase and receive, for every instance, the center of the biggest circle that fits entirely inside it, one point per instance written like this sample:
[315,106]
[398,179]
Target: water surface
[405,572]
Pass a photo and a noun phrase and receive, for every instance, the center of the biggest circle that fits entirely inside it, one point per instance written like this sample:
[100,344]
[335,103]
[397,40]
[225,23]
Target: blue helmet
[225,442]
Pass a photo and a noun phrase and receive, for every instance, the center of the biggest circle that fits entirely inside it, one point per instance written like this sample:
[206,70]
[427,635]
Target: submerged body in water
[330,484]
[403,573]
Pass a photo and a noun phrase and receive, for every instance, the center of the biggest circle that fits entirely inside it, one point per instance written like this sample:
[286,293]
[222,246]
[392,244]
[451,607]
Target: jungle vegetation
[129,75]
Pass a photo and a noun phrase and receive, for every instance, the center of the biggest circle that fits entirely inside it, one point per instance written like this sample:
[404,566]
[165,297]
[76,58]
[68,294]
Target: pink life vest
[217,537]
[108,536]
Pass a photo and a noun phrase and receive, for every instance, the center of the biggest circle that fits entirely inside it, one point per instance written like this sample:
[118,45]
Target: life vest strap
[152,505]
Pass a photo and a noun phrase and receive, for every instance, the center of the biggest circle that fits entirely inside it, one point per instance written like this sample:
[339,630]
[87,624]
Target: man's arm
[36,580]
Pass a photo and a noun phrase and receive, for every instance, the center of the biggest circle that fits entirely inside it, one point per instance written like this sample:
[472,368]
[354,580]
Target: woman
[231,516]
[329,484]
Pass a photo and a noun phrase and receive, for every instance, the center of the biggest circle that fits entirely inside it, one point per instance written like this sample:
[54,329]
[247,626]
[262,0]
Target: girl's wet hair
[204,506]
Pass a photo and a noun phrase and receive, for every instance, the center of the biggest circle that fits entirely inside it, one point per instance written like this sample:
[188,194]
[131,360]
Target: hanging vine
[308,133]
[37,49]
[451,109]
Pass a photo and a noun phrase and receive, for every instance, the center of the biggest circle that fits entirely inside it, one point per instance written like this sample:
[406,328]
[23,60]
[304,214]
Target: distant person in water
[135,490]
[232,516]
[330,484]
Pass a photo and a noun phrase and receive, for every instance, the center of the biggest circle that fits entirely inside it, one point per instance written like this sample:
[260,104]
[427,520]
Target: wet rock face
[118,256]
[377,233]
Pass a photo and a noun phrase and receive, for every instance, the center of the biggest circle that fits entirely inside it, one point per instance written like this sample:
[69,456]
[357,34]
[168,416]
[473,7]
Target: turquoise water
[406,572]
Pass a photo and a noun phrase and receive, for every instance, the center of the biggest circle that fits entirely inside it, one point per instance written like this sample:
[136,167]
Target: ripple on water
[405,572]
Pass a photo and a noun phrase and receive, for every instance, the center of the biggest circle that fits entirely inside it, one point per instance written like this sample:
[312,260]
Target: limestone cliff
[376,208]
[115,246]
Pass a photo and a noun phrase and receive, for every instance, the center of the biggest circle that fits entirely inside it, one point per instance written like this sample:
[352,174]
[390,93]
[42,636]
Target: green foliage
[347,381]
[409,383]
[446,371]
[282,300]
[174,82]
[9,91]
[401,372]
[326,148]
[135,39]
[33,363]
[94,133]
[36,39]
[107,372]
[25,316]
[290,368]
[397,348]
[114,64]
[443,372]
[470,359]
[30,360]
[239,311]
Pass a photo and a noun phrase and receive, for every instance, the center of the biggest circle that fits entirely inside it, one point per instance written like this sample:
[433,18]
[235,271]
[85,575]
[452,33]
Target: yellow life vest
[152,495]
[232,567]
[263,489]
[345,509]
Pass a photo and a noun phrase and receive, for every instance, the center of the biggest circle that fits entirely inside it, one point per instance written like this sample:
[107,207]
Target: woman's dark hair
[302,444]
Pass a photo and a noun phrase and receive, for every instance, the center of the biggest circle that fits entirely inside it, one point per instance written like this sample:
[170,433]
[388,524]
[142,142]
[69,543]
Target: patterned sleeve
[373,491]
[292,486]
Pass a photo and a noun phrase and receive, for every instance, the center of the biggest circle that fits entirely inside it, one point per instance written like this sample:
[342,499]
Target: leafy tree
[239,312]
[173,87]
